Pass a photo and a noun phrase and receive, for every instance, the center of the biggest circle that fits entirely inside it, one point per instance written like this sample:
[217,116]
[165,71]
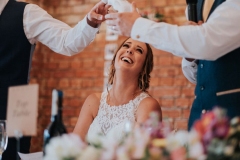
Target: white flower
[109,148]
[141,138]
[177,140]
[196,151]
[96,140]
[122,153]
[182,137]
[90,153]
[65,146]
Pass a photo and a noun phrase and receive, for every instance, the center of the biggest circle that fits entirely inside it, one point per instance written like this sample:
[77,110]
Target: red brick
[142,3]
[176,2]
[89,73]
[63,74]
[64,65]
[52,82]
[87,63]
[76,64]
[63,83]
[174,10]
[68,112]
[154,81]
[186,113]
[160,3]
[172,113]
[177,61]
[188,92]
[180,81]
[166,81]
[167,92]
[182,102]
[69,92]
[73,120]
[99,63]
[167,71]
[47,113]
[165,60]
[181,124]
[87,83]
[166,102]
[75,83]
[98,82]
[73,102]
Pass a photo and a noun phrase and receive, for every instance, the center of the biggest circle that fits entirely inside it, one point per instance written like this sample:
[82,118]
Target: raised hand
[97,14]
[122,23]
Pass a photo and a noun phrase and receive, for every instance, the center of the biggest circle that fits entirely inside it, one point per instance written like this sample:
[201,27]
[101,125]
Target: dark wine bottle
[56,126]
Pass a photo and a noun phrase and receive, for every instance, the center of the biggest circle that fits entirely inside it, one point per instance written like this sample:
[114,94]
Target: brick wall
[82,74]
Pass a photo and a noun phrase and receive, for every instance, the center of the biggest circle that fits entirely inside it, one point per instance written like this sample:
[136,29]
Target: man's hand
[97,14]
[122,23]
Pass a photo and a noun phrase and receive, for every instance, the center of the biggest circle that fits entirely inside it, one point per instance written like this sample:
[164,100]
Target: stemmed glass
[3,137]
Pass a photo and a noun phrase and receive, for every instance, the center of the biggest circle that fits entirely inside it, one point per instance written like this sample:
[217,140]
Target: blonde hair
[144,76]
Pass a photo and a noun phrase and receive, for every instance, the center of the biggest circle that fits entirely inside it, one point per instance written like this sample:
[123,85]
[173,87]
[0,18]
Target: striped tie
[206,8]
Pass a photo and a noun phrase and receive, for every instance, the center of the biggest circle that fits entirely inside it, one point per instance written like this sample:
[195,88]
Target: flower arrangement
[213,137]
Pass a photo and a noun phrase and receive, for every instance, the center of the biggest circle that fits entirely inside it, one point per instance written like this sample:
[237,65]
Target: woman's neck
[123,90]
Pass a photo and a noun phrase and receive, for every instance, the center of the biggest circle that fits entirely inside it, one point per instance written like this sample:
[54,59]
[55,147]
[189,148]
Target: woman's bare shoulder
[146,106]
[149,102]
[92,102]
[94,97]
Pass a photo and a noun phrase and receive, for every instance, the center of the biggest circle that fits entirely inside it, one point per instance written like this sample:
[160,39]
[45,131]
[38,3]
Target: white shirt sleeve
[190,70]
[209,41]
[58,36]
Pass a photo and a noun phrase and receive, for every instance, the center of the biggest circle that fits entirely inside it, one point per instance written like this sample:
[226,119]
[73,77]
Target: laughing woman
[127,99]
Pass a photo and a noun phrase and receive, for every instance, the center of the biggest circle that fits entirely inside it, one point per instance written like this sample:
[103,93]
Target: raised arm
[58,36]
[215,38]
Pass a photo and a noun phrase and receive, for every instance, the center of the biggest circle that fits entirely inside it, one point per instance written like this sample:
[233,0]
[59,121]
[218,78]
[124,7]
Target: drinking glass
[3,137]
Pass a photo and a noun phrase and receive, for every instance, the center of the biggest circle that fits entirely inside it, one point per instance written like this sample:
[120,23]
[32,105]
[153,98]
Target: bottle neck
[54,118]
[59,114]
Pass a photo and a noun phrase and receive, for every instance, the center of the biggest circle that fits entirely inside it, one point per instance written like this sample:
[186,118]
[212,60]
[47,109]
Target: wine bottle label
[54,102]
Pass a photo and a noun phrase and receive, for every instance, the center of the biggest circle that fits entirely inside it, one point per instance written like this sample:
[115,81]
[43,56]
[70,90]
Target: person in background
[126,100]
[21,26]
[213,47]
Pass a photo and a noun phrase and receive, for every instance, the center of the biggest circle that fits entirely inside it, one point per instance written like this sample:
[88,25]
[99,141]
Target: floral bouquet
[213,137]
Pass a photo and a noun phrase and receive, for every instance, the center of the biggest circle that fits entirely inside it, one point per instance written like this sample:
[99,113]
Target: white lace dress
[112,119]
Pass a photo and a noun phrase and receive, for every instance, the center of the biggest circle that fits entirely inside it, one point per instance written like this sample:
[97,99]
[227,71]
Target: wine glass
[3,137]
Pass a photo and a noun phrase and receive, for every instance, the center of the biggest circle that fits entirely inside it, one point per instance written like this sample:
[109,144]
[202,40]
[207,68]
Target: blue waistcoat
[215,77]
[15,51]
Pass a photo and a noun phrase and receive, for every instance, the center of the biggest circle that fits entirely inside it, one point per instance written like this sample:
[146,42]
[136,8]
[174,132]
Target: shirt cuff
[139,28]
[185,62]
[89,30]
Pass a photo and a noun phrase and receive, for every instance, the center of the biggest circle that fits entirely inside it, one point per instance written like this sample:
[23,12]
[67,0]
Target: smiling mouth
[126,59]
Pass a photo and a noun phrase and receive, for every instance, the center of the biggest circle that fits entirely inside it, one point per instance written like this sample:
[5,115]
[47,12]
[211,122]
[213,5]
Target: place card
[22,110]
[31,156]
